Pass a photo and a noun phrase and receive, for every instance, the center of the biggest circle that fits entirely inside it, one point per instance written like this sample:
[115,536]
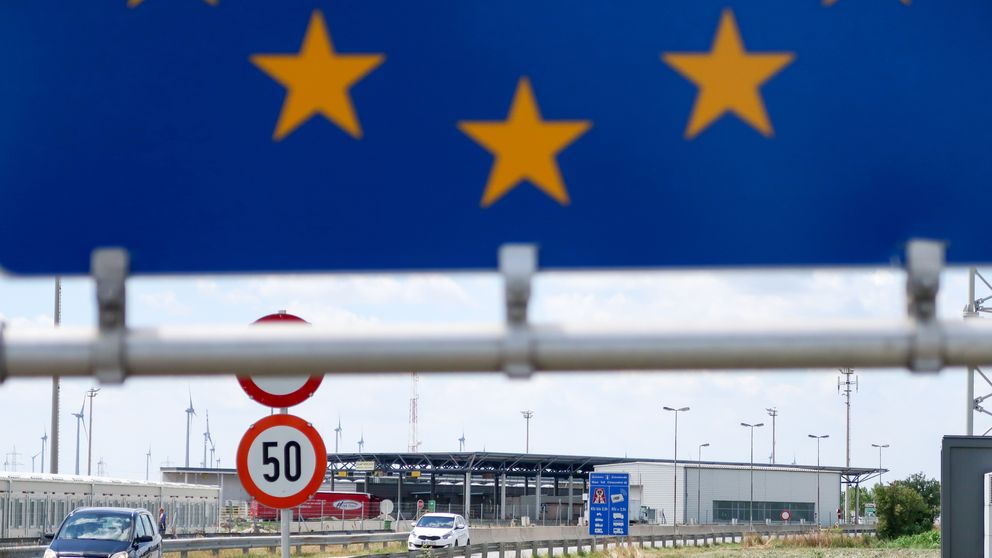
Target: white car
[438,530]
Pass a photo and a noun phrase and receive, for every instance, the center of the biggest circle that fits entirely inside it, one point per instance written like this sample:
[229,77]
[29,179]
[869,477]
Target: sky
[604,414]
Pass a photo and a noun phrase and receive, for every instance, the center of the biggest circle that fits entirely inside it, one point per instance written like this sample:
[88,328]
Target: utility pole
[845,385]
[773,412]
[89,451]
[527,416]
[819,521]
[675,466]
[56,388]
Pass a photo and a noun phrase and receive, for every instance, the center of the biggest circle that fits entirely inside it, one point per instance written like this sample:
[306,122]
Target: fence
[514,549]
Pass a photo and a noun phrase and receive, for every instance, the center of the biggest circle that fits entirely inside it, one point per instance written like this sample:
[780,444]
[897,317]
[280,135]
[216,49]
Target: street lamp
[750,506]
[699,483]
[880,446]
[527,416]
[675,465]
[818,438]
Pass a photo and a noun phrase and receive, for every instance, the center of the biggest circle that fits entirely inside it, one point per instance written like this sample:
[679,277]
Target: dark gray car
[106,533]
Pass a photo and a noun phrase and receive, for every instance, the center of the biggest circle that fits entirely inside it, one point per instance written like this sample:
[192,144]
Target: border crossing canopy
[246,136]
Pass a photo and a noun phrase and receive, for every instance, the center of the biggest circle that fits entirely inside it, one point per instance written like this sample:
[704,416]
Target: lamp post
[818,438]
[880,446]
[527,416]
[750,505]
[699,480]
[675,465]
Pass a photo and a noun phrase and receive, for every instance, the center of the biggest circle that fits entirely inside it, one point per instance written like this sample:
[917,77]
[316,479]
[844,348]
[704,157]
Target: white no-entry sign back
[280,391]
[281,461]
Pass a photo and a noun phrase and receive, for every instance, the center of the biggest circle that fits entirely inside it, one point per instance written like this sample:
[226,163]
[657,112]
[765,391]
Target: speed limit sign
[281,461]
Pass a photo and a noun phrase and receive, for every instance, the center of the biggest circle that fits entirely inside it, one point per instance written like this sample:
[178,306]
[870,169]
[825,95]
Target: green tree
[928,488]
[901,511]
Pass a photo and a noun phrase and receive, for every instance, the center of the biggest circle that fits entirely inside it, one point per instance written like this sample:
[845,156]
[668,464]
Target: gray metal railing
[514,549]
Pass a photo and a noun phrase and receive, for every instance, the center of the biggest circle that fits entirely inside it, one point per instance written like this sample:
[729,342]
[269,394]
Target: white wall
[656,485]
[782,485]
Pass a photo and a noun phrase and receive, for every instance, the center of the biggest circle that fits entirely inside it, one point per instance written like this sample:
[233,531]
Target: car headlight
[411,537]
[119,555]
[49,553]
[447,535]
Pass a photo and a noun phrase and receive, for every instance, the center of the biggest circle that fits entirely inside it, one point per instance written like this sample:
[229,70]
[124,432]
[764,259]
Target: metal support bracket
[924,262]
[517,264]
[110,267]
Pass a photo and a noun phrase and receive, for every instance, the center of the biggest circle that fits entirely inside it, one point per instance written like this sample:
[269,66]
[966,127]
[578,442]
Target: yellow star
[317,80]
[135,3]
[525,147]
[728,78]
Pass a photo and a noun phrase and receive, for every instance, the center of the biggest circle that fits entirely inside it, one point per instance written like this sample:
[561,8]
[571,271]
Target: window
[97,526]
[140,530]
[148,525]
[725,510]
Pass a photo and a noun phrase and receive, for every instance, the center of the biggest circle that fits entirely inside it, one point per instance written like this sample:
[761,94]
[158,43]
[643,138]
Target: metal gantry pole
[970,311]
[56,388]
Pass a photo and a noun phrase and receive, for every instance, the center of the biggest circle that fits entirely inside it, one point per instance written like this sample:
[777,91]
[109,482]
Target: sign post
[281,463]
[609,503]
[282,458]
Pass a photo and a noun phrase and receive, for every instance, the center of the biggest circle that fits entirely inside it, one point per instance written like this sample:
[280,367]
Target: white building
[721,492]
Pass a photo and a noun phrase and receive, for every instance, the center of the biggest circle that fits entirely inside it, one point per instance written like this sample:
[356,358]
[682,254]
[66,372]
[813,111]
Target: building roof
[85,479]
[548,465]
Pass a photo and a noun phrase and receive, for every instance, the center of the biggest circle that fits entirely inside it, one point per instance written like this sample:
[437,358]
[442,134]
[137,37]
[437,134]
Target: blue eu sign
[609,502]
[250,135]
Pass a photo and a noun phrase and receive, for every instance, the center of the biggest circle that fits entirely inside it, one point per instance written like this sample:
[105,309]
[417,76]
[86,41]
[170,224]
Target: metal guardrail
[367,540]
[517,549]
[216,544]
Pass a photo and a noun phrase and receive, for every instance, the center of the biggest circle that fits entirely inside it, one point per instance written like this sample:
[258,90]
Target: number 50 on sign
[281,461]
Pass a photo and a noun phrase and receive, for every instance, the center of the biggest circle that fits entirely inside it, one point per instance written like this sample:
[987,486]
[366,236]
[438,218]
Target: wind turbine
[148,461]
[361,442]
[33,457]
[79,420]
[190,413]
[461,442]
[337,435]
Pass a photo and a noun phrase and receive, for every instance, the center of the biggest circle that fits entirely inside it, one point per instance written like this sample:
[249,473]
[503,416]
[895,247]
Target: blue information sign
[609,502]
[251,135]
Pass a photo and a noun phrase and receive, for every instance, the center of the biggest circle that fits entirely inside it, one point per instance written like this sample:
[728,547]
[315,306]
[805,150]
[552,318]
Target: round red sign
[281,461]
[279,391]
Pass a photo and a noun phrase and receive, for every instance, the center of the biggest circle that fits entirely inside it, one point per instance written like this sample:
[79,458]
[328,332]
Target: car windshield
[436,521]
[97,526]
